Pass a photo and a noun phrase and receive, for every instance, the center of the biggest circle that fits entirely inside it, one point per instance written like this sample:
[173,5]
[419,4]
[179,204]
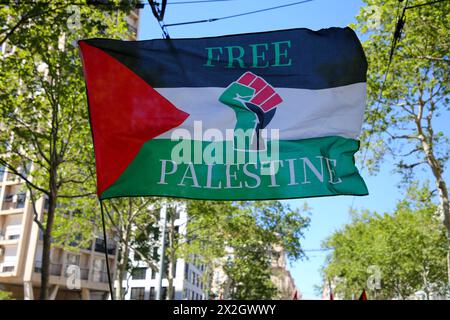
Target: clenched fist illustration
[254,102]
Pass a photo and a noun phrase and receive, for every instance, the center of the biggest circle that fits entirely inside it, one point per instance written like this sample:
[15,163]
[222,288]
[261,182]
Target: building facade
[188,277]
[280,276]
[80,275]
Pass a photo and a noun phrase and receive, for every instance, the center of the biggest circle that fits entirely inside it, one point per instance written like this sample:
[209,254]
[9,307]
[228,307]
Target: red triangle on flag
[125,112]
[363,295]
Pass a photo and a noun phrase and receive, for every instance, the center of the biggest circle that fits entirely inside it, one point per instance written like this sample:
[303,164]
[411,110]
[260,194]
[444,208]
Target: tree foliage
[134,223]
[5,295]
[44,118]
[416,90]
[407,247]
[239,237]
[408,101]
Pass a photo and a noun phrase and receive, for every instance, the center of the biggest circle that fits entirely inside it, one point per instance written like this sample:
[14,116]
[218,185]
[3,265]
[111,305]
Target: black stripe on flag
[295,58]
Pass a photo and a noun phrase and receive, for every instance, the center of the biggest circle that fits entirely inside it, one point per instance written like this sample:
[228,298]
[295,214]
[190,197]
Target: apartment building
[80,275]
[188,279]
[133,24]
[280,276]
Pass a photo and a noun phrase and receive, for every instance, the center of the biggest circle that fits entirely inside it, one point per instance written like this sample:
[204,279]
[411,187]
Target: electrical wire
[158,10]
[138,5]
[238,15]
[199,1]
[395,38]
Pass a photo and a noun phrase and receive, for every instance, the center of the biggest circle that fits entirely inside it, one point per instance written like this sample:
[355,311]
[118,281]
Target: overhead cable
[238,15]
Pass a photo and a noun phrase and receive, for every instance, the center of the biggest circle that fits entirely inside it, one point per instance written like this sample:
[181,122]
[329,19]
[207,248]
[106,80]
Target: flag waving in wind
[267,115]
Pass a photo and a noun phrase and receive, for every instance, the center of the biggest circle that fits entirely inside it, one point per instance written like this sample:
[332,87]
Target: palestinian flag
[267,115]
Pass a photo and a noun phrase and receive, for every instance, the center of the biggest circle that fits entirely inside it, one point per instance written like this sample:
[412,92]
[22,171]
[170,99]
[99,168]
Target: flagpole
[159,278]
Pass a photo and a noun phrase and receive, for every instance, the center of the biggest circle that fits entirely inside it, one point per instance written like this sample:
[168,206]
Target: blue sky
[329,213]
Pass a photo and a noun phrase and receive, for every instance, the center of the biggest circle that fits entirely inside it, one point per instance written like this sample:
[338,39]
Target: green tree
[44,118]
[402,123]
[407,249]
[239,237]
[4,295]
[134,222]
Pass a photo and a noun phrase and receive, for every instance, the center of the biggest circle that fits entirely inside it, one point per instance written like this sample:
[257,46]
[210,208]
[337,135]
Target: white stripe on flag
[302,114]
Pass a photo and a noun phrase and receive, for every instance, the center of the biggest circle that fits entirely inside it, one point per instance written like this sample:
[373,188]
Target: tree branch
[65,196]
[23,177]
[34,139]
[35,214]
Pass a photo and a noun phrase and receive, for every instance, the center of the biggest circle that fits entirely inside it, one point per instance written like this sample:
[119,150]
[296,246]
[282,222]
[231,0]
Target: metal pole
[159,278]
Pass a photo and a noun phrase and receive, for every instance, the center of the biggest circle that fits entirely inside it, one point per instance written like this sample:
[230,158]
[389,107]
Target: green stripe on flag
[308,168]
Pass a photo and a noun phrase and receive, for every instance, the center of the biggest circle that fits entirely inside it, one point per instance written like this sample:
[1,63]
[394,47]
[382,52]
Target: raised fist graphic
[254,102]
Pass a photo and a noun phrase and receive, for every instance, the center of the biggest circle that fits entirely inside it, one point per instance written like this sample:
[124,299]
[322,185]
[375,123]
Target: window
[156,235]
[136,256]
[195,280]
[13,236]
[8,269]
[166,267]
[177,213]
[137,293]
[164,293]
[186,271]
[153,274]
[155,253]
[139,274]
[99,245]
[152,295]
[73,259]
[21,199]
[99,268]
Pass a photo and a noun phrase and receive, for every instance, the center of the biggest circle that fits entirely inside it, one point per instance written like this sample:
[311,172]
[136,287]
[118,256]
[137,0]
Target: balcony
[7,269]
[9,237]
[100,246]
[84,272]
[103,277]
[100,276]
[55,268]
[10,204]
[13,237]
